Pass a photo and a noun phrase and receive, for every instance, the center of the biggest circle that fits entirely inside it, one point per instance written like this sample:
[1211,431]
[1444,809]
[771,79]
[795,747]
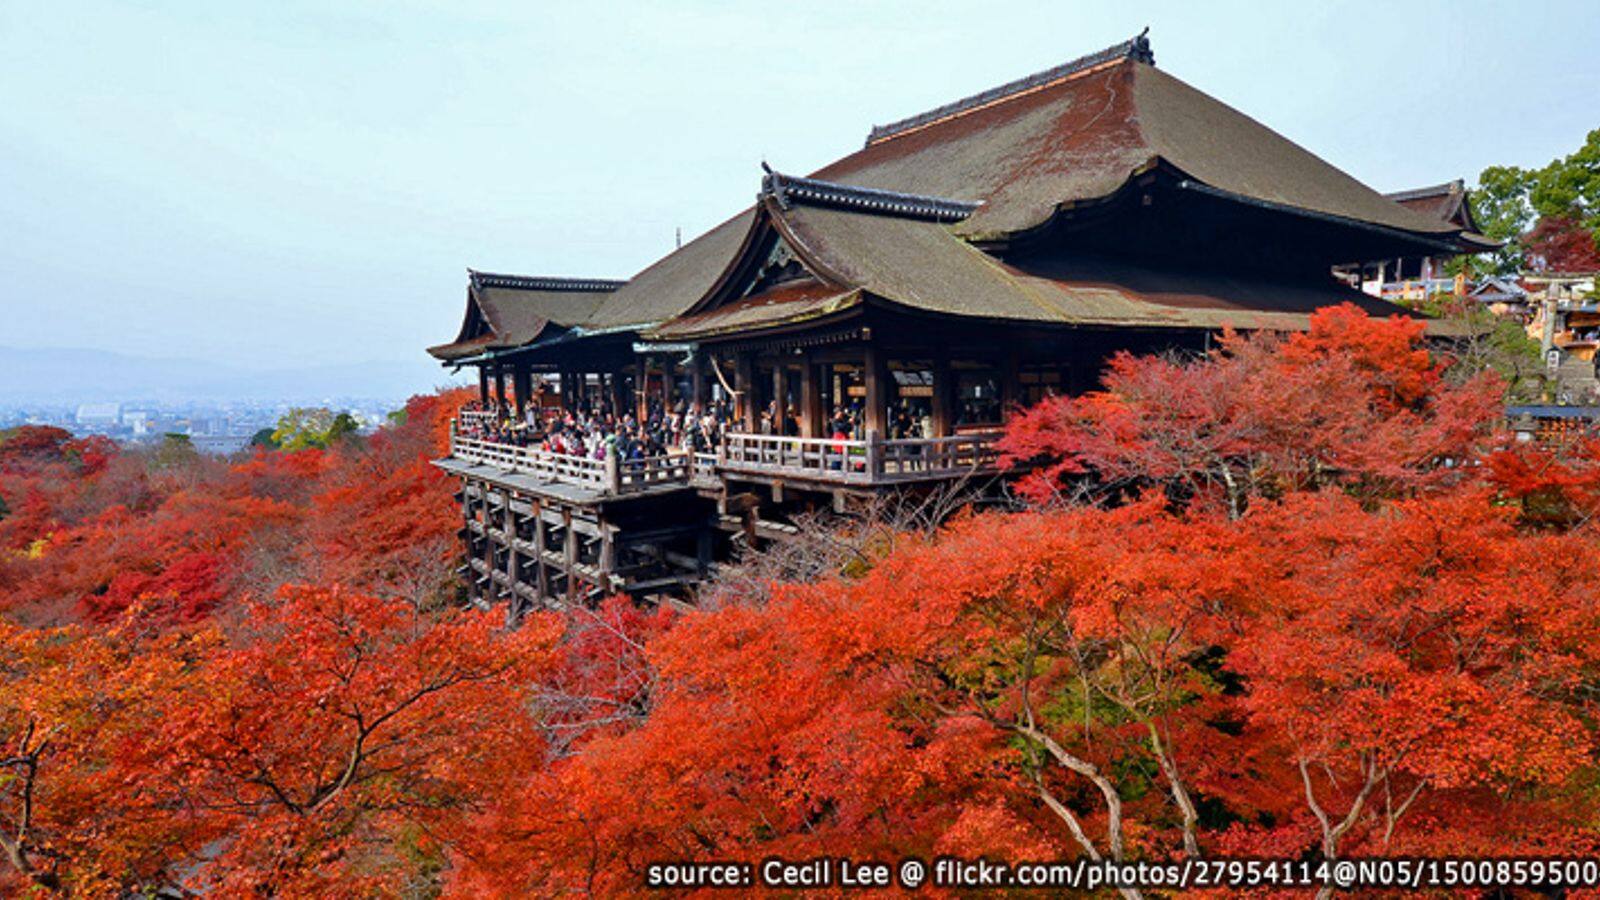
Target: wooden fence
[870,461]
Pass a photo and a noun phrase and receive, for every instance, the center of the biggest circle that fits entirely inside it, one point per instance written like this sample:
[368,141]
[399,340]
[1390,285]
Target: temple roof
[1446,202]
[675,282]
[1078,132]
[904,259]
[897,220]
[505,311]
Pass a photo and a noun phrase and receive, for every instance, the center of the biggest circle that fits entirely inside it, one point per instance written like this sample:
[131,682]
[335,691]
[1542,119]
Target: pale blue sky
[294,181]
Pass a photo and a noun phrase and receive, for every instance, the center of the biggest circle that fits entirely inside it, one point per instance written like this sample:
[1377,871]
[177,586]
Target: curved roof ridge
[1135,48]
[1436,190]
[541,282]
[791,188]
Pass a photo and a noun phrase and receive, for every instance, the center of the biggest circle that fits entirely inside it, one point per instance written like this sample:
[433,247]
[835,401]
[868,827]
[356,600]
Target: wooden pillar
[669,385]
[1010,385]
[944,392]
[811,409]
[487,522]
[744,383]
[513,564]
[500,384]
[875,373]
[616,393]
[540,575]
[608,555]
[467,515]
[571,556]
[698,383]
[522,386]
[483,384]
[780,395]
[641,394]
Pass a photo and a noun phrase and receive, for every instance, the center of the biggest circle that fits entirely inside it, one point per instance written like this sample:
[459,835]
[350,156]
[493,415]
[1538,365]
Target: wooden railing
[527,460]
[917,457]
[607,475]
[870,461]
[479,418]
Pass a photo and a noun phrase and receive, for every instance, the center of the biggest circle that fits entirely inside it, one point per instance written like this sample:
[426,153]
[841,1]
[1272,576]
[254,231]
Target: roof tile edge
[542,283]
[790,188]
[1437,190]
[1135,48]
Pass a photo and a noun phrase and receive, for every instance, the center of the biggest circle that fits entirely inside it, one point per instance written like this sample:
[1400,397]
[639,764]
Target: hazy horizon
[291,184]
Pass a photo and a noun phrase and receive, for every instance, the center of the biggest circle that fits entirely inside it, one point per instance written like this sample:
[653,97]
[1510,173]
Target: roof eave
[1443,243]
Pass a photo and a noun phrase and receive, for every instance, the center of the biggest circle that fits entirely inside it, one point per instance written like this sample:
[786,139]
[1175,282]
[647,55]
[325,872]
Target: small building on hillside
[866,327]
[1411,279]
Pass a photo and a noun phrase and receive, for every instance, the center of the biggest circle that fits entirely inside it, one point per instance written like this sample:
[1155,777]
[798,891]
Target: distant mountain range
[82,376]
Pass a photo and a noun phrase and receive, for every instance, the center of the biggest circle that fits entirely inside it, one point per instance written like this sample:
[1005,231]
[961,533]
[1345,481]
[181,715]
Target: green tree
[303,427]
[1500,206]
[344,427]
[1509,201]
[175,451]
[264,439]
[1570,186]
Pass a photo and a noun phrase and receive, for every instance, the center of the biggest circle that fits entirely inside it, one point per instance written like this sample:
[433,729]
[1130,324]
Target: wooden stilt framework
[533,551]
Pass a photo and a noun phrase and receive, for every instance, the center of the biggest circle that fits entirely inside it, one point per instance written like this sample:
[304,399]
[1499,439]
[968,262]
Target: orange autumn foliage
[1356,402]
[1308,604]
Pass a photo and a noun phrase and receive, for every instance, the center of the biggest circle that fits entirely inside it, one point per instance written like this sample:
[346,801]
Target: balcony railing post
[874,454]
[613,473]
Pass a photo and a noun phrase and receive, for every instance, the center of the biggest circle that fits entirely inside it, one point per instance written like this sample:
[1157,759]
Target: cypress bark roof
[1081,136]
[896,219]
[1446,202]
[505,311]
[920,264]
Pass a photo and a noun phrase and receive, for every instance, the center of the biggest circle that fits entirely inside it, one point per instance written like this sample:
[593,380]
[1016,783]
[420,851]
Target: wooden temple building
[1415,277]
[966,260]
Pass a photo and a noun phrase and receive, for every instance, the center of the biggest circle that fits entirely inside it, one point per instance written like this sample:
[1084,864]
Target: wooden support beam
[616,393]
[1010,384]
[780,396]
[669,385]
[876,375]
[608,557]
[500,384]
[522,386]
[944,393]
[744,382]
[513,565]
[699,383]
[467,513]
[641,395]
[571,556]
[541,577]
[488,544]
[812,415]
[483,384]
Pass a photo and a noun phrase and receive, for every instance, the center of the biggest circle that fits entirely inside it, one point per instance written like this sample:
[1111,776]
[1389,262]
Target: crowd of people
[599,431]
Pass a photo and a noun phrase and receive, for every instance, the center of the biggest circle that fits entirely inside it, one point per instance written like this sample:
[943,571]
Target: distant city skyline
[298,184]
